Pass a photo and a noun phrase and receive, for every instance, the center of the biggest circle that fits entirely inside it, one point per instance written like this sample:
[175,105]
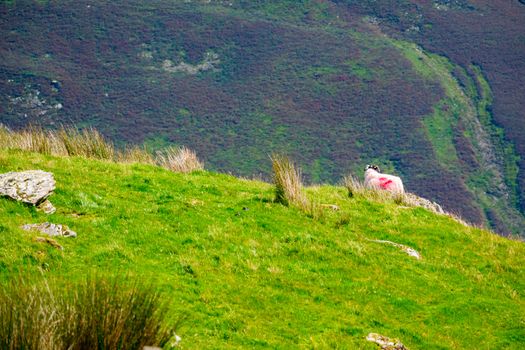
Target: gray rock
[385,342]
[32,186]
[406,249]
[417,201]
[50,229]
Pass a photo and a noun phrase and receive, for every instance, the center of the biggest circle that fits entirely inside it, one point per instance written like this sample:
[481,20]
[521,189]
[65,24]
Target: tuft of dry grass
[135,154]
[98,313]
[354,186]
[27,316]
[88,143]
[34,139]
[287,180]
[179,159]
[289,186]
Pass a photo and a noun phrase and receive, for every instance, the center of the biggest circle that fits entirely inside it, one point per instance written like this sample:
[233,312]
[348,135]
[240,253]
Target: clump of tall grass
[179,159]
[287,180]
[89,143]
[34,139]
[28,316]
[98,313]
[289,187]
[135,154]
[354,186]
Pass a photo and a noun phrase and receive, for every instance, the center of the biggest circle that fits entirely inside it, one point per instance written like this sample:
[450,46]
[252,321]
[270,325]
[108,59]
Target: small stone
[176,341]
[47,207]
[50,241]
[50,229]
[410,251]
[385,342]
[331,206]
[32,186]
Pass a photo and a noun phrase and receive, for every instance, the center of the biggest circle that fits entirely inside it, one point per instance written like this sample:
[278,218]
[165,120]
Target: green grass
[439,125]
[250,273]
[440,130]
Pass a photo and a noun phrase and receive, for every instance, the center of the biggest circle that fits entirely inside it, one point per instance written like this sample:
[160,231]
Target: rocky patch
[50,229]
[210,62]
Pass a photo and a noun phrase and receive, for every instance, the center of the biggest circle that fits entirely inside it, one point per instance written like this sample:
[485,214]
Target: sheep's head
[374,167]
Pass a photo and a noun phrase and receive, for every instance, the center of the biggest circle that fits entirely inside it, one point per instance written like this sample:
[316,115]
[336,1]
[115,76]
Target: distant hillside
[246,272]
[335,84]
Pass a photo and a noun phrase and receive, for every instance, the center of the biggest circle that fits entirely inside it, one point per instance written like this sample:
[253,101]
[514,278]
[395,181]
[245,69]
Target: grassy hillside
[251,273]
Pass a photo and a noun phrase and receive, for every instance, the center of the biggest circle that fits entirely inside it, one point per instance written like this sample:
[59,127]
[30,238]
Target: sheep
[374,179]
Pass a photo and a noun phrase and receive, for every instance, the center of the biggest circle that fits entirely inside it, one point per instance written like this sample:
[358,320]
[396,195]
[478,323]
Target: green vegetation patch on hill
[251,273]
[465,140]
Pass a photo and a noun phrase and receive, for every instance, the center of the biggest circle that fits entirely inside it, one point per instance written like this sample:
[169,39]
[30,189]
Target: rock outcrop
[50,229]
[32,186]
[417,201]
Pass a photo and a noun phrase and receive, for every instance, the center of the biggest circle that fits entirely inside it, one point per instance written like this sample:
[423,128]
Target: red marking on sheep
[385,183]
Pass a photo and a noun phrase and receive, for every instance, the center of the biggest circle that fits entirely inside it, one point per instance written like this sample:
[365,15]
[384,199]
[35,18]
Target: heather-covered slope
[320,80]
[248,272]
[484,39]
[487,34]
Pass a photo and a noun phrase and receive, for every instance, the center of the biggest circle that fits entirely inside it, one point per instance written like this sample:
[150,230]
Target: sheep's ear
[367,167]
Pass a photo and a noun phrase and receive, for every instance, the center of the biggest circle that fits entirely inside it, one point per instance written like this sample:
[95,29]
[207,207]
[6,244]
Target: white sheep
[374,179]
